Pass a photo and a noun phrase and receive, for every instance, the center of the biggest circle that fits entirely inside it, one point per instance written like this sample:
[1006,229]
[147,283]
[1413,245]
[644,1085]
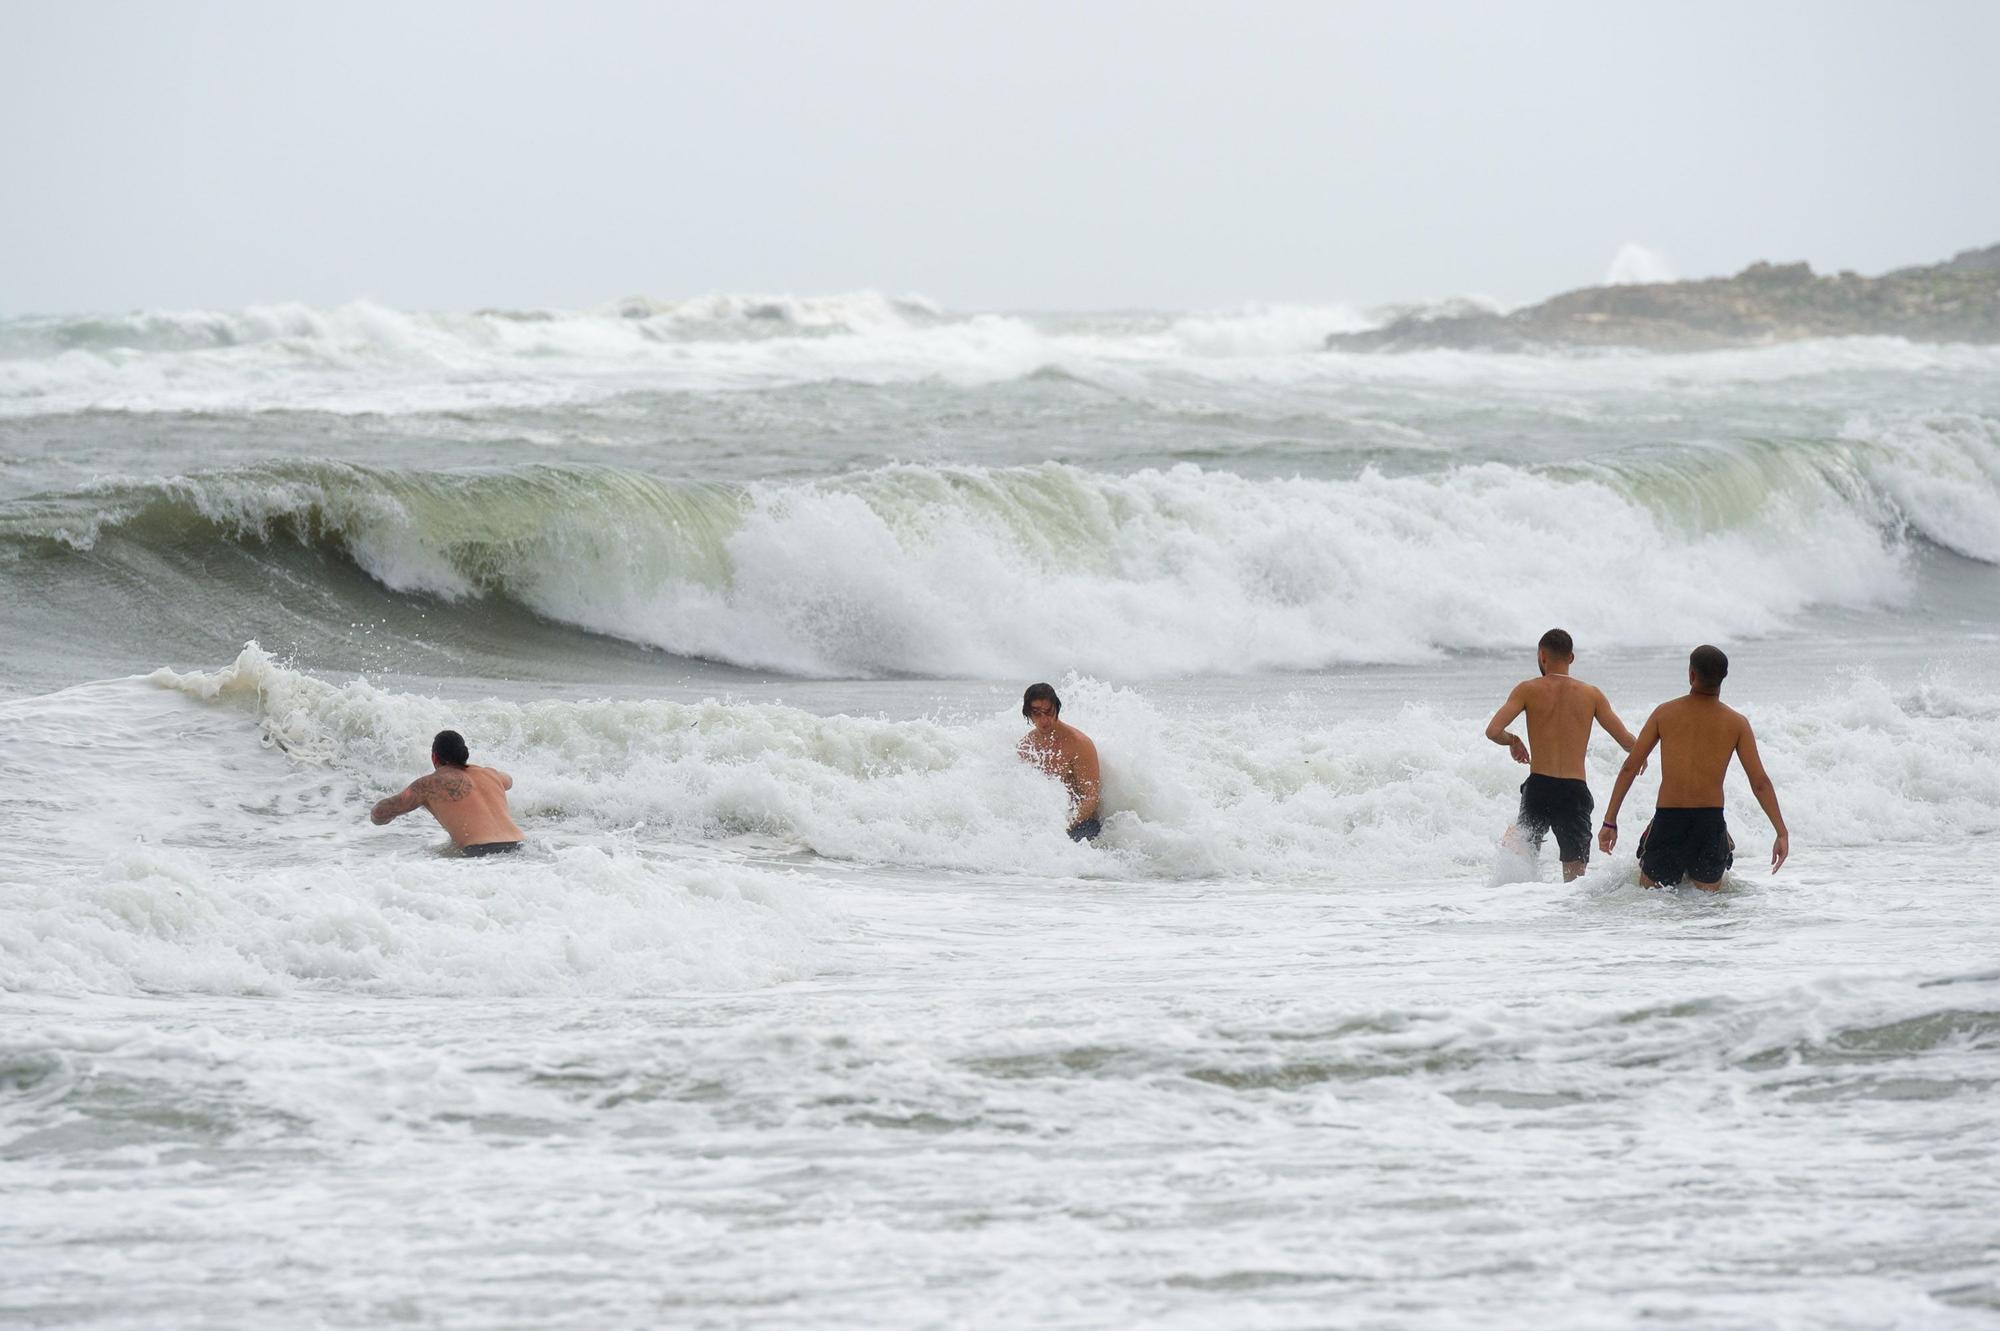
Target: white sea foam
[208,865]
[258,874]
[151,918]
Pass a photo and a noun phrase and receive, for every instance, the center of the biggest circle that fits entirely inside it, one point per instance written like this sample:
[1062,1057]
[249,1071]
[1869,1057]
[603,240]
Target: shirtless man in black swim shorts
[471,802]
[1560,710]
[1062,751]
[1697,736]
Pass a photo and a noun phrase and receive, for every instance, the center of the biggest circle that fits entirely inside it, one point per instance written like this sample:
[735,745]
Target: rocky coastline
[1954,301]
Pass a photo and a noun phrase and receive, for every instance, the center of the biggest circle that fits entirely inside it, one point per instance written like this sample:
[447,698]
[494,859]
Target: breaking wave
[985,572]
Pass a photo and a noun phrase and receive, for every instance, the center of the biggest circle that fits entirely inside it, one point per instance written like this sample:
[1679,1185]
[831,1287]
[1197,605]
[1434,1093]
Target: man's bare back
[1560,710]
[1698,735]
[469,802]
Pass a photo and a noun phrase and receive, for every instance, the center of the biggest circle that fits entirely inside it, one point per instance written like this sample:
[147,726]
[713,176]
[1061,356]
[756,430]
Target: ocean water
[800,1010]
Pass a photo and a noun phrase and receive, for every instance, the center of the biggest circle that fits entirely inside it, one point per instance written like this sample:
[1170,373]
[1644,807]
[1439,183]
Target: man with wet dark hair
[1709,667]
[470,802]
[1062,751]
[1560,711]
[1697,736]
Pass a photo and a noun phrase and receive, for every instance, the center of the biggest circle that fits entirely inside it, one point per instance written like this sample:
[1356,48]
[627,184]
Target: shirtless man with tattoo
[1062,751]
[471,802]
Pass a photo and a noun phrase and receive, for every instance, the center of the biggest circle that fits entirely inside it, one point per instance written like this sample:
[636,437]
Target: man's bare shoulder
[1672,708]
[1707,706]
[1581,689]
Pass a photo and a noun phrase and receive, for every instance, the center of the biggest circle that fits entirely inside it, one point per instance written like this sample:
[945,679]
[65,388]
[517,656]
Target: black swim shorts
[491,848]
[1561,805]
[1085,829]
[1690,842]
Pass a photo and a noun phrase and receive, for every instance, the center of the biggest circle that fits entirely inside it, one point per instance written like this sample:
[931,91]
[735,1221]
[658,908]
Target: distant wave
[366,323]
[980,572]
[366,358]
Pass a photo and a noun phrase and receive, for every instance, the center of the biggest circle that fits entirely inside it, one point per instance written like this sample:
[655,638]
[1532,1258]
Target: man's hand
[1516,747]
[1607,837]
[1780,848]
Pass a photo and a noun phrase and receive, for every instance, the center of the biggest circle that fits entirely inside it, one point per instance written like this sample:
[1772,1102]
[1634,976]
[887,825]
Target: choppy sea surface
[801,1010]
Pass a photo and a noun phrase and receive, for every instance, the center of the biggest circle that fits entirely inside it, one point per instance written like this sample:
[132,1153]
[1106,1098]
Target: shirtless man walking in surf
[471,802]
[1697,736]
[1062,751]
[1560,710]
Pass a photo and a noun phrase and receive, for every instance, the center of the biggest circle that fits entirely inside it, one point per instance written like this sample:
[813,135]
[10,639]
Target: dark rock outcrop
[1954,301]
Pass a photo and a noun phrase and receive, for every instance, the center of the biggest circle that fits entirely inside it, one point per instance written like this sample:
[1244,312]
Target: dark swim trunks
[1085,830]
[1558,804]
[1691,842]
[491,848]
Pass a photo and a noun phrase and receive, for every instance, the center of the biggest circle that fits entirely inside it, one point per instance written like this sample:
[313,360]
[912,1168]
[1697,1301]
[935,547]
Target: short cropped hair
[1040,693]
[1710,666]
[449,748]
[1558,642]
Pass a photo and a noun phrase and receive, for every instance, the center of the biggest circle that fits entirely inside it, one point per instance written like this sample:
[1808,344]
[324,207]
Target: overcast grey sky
[1019,155]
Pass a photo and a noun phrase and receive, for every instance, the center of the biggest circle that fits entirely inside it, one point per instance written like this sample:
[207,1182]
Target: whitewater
[799,1009]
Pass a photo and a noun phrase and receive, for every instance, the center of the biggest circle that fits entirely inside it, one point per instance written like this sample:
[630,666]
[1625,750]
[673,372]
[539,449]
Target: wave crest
[985,572]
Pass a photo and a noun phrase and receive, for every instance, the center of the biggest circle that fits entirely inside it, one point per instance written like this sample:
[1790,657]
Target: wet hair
[1040,693]
[1710,666]
[449,748]
[1557,643]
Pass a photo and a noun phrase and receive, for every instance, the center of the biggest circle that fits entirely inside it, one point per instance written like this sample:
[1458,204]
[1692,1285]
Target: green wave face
[992,571]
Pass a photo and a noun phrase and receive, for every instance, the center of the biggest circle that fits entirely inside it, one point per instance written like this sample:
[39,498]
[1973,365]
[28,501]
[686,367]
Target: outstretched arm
[1496,729]
[1612,725]
[1084,781]
[1635,763]
[408,800]
[1766,793]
